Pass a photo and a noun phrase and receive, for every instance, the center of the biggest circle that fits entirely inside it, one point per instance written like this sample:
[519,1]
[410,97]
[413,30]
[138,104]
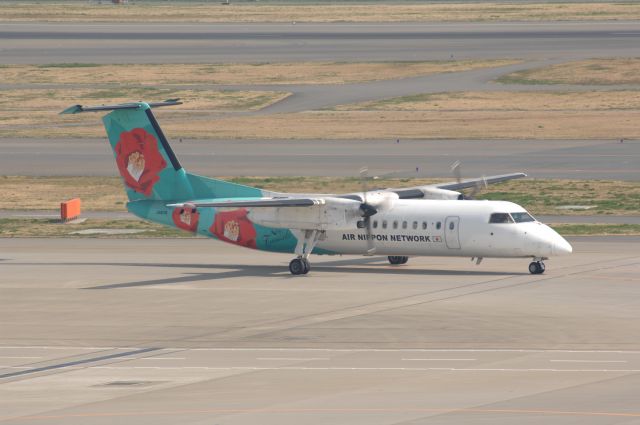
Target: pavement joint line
[441,360]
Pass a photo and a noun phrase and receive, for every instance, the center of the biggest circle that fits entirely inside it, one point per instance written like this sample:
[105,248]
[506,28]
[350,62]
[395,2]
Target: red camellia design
[186,219]
[234,227]
[139,160]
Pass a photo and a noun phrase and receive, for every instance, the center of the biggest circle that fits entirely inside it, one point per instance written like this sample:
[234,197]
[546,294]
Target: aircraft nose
[561,246]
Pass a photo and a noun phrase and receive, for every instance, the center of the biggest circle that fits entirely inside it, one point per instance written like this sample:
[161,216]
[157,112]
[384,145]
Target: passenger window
[500,218]
[424,225]
[438,225]
[375,224]
[384,224]
[395,224]
[415,225]
[404,224]
[452,225]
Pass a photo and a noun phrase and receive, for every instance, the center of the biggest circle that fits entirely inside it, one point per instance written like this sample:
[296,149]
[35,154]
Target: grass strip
[545,196]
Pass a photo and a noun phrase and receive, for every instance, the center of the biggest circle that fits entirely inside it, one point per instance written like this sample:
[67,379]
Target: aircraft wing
[418,192]
[251,203]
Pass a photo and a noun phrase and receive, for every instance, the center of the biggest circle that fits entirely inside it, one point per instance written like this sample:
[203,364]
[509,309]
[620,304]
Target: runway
[579,159]
[180,43]
[193,331]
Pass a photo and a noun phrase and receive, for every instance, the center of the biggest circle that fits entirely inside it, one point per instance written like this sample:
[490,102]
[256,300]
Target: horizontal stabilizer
[76,109]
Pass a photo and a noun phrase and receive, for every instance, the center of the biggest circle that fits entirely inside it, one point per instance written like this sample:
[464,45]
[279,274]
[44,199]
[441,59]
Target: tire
[307,266]
[296,266]
[404,260]
[394,259]
[533,268]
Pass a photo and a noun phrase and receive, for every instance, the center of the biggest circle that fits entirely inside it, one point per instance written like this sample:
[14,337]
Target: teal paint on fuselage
[266,239]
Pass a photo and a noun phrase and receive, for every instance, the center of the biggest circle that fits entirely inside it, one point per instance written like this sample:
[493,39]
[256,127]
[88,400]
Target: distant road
[589,159]
[196,43]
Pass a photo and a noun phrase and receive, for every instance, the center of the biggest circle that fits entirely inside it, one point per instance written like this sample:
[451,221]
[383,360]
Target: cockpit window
[500,218]
[522,217]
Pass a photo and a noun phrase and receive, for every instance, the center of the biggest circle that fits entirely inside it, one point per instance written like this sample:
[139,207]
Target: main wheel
[393,259]
[307,265]
[404,259]
[296,266]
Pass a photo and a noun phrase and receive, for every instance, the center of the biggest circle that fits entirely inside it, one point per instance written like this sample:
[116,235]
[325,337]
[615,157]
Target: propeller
[367,210]
[455,169]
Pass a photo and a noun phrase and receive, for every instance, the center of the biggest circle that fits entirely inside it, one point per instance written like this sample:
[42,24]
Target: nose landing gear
[536,267]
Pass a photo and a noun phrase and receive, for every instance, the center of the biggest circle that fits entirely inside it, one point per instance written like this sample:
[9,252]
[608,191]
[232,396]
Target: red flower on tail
[139,160]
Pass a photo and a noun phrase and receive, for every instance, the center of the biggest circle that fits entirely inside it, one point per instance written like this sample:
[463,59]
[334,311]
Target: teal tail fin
[148,166]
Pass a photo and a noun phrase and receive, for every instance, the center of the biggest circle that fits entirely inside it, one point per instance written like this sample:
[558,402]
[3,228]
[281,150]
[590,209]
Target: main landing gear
[397,259]
[536,267]
[307,240]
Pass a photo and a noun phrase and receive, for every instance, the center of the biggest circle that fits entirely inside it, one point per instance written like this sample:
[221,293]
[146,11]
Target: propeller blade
[455,169]
[371,248]
[367,210]
[478,187]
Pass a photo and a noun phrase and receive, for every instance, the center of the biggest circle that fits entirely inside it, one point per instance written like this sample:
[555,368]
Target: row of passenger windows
[405,225]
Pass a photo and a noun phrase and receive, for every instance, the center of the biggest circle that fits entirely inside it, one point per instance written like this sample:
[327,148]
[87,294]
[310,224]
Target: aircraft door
[451,232]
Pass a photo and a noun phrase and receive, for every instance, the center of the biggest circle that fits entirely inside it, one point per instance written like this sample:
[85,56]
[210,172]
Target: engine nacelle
[436,193]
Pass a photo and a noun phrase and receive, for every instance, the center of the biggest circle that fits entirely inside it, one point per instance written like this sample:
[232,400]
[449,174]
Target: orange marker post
[70,209]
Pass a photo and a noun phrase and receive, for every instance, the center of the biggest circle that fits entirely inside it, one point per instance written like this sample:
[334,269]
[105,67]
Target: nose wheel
[397,259]
[536,267]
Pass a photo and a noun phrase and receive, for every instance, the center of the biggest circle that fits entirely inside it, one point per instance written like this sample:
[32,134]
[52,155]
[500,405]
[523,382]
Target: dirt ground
[602,71]
[68,11]
[505,101]
[257,73]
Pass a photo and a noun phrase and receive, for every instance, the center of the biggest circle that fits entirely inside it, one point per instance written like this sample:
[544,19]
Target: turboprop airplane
[430,220]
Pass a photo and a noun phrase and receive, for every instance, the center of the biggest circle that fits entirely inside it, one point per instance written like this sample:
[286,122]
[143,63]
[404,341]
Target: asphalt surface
[192,331]
[189,43]
[580,159]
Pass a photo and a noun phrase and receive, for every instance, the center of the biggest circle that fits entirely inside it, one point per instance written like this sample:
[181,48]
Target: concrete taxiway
[193,331]
[188,43]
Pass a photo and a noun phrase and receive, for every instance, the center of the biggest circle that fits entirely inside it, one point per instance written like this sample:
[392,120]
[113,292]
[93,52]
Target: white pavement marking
[440,360]
[346,368]
[20,357]
[161,358]
[293,358]
[589,361]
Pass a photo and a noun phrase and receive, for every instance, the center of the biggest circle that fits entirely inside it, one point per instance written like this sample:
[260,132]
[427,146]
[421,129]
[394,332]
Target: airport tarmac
[97,331]
[573,159]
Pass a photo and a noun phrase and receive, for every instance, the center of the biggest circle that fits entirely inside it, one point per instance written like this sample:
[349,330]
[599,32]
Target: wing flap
[251,203]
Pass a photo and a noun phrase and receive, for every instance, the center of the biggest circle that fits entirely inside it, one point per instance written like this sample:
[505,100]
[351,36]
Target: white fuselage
[448,228]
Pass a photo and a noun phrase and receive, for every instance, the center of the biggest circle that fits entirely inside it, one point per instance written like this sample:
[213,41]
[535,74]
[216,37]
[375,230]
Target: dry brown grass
[37,110]
[368,125]
[588,72]
[505,101]
[46,193]
[261,73]
[215,12]
[539,196]
[418,124]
